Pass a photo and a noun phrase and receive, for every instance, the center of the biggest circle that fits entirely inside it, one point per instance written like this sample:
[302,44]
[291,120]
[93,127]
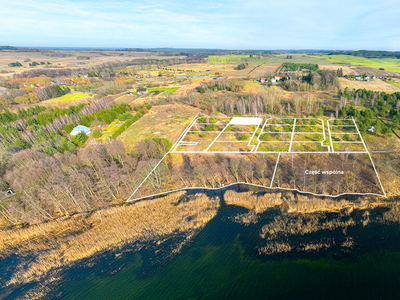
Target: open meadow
[62,59]
[164,121]
[266,59]
[374,85]
[388,64]
[67,98]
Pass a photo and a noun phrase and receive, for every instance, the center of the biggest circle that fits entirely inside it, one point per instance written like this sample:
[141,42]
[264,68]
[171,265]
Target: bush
[97,134]
[125,116]
[79,139]
[50,150]
[68,127]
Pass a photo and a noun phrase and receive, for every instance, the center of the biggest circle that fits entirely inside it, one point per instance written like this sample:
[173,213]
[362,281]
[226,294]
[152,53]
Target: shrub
[79,139]
[50,150]
[125,116]
[97,134]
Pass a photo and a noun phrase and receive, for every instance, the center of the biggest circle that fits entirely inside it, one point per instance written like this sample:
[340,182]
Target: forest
[379,109]
[369,53]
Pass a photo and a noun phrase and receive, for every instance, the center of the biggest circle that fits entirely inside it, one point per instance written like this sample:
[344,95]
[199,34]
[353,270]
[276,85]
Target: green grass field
[109,131]
[68,97]
[270,59]
[172,89]
[389,64]
[394,82]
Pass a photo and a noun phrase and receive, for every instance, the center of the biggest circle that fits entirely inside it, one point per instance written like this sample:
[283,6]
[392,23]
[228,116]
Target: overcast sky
[249,24]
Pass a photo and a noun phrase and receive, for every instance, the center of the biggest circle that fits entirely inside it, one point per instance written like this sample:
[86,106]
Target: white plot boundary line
[276,166]
[291,140]
[251,184]
[330,136]
[171,150]
[369,154]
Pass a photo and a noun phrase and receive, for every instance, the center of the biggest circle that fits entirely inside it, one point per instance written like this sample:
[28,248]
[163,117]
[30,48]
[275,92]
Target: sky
[221,24]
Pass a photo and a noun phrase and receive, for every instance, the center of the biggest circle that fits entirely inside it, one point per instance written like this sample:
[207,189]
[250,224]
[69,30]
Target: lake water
[224,262]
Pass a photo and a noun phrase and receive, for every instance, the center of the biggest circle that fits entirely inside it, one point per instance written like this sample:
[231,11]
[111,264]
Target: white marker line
[255,131]
[276,152]
[212,124]
[299,142]
[175,145]
[369,154]
[224,141]
[276,166]
[216,138]
[344,132]
[188,143]
[330,136]
[291,140]
[323,131]
[299,132]
[203,131]
[182,136]
[258,137]
[275,142]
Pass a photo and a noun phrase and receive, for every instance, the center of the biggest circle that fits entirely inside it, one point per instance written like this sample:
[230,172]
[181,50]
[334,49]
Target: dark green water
[223,262]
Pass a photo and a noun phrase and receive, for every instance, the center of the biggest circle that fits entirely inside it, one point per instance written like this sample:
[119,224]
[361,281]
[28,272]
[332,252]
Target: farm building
[80,128]
[278,77]
[371,129]
[141,90]
[262,80]
[273,80]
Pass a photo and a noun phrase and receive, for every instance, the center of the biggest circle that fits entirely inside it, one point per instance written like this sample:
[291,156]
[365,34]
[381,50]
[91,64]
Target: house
[371,129]
[262,79]
[80,128]
[358,77]
[273,80]
[278,77]
[141,91]
[366,78]
[129,93]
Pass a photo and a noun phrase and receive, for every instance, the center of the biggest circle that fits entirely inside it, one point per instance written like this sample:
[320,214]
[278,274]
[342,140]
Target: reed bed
[59,243]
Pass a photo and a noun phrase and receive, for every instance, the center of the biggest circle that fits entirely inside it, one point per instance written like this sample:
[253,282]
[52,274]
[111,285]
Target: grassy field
[264,70]
[109,131]
[253,87]
[374,85]
[164,121]
[389,64]
[171,89]
[68,97]
[394,82]
[203,68]
[270,59]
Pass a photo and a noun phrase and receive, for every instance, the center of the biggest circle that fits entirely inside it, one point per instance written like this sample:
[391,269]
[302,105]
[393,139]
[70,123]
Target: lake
[353,254]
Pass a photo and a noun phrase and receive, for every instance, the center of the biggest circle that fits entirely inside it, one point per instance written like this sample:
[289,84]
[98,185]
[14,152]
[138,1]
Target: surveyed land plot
[310,155]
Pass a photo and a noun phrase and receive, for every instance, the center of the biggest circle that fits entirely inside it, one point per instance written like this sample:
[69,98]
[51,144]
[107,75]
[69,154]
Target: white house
[80,128]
